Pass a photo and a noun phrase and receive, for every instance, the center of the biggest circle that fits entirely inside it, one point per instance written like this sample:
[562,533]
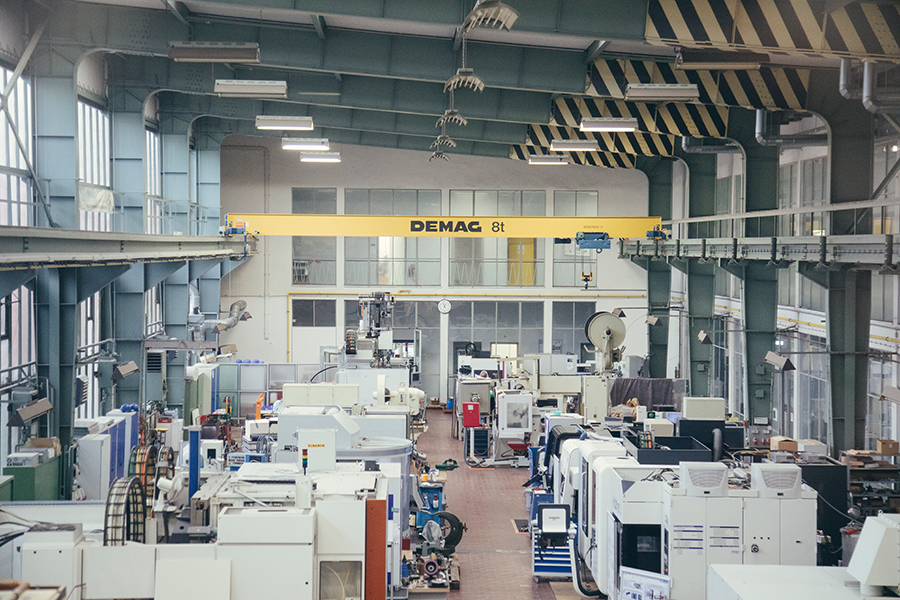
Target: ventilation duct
[697,146]
[767,128]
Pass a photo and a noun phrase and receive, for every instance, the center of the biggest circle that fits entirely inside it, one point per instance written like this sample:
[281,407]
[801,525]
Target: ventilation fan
[704,479]
[776,480]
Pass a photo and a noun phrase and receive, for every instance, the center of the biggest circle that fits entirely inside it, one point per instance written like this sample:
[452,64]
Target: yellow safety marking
[437,226]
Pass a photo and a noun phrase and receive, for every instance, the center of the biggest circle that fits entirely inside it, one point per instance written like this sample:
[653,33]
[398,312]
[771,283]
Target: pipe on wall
[765,135]
[699,147]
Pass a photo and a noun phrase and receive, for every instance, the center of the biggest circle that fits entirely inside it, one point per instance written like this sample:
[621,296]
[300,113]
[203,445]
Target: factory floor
[494,560]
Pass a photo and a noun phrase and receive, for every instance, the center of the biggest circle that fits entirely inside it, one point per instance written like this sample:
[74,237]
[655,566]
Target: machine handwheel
[451,528]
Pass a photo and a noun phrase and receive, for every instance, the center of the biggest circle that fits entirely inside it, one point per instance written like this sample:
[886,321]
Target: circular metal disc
[598,323]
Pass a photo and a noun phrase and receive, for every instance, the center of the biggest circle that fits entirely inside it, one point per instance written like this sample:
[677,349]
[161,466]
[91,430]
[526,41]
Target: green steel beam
[604,19]
[190,106]
[13,280]
[212,131]
[26,248]
[395,56]
[140,76]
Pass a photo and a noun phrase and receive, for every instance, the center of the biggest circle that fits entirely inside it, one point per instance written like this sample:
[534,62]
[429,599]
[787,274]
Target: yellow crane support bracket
[421,226]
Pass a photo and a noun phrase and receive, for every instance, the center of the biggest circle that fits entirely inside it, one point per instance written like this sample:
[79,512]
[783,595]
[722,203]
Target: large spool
[607,332]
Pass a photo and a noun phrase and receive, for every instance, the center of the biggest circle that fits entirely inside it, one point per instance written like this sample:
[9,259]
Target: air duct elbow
[766,136]
[873,101]
[847,88]
[692,146]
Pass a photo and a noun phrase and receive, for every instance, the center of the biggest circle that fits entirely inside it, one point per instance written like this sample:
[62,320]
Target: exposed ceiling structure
[383,70]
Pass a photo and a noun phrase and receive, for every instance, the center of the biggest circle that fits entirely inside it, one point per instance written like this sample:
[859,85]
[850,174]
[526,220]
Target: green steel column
[849,309]
[55,326]
[759,302]
[760,172]
[55,129]
[848,314]
[176,153]
[701,287]
[659,273]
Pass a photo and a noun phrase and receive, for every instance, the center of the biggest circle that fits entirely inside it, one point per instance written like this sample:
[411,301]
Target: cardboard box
[780,442]
[52,443]
[887,447]
[812,446]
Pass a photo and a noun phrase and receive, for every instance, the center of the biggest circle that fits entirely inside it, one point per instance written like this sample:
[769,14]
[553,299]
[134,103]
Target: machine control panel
[759,436]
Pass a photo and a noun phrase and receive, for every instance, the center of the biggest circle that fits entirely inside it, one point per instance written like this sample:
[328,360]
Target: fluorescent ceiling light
[721,61]
[548,159]
[321,157]
[661,91]
[248,88]
[214,52]
[608,124]
[574,145]
[267,122]
[304,144]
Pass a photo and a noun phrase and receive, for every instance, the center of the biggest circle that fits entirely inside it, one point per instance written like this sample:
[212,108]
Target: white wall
[257,176]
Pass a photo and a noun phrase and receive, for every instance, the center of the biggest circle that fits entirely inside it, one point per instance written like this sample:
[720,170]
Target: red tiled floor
[495,561]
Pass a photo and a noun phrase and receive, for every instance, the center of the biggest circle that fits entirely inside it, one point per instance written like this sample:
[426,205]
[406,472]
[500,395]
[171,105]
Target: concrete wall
[257,176]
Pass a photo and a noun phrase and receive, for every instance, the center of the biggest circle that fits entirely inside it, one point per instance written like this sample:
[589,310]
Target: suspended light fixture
[574,145]
[214,52]
[608,124]
[661,92]
[275,123]
[321,157]
[490,13]
[438,155]
[443,140]
[248,88]
[451,115]
[304,144]
[465,77]
[548,159]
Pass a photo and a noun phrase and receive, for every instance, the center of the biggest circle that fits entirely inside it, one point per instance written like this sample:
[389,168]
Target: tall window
[392,260]
[95,200]
[568,261]
[96,206]
[569,319]
[881,420]
[497,261]
[887,218]
[15,184]
[17,314]
[813,192]
[802,397]
[157,210]
[315,258]
[787,198]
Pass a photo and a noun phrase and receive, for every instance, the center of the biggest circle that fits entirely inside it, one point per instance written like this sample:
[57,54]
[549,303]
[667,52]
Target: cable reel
[124,517]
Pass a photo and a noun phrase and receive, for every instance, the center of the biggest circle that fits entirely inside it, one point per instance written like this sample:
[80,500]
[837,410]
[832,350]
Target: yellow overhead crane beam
[437,226]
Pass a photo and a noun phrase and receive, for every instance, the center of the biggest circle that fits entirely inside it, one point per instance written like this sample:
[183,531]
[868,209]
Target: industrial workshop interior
[449,299]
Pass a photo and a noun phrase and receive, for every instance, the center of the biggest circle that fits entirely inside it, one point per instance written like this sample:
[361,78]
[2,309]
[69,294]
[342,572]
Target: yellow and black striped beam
[769,87]
[611,160]
[857,29]
[672,118]
[637,143]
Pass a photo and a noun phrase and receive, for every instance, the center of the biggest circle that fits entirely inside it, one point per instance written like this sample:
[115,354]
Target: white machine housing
[701,408]
[321,394]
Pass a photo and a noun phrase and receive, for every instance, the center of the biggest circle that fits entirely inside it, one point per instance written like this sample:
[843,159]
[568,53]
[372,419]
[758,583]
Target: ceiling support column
[849,309]
[659,273]
[55,128]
